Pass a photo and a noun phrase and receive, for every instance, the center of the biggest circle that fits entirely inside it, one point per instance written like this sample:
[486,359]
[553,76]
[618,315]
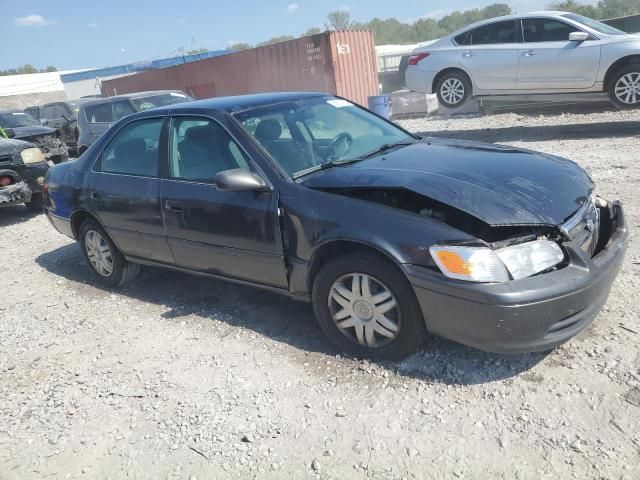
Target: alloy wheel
[627,88]
[98,253]
[452,91]
[364,310]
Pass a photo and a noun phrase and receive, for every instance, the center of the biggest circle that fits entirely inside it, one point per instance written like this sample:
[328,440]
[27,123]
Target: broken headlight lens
[482,264]
[32,155]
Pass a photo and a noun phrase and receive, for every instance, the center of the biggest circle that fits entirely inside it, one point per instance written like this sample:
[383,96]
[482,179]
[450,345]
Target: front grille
[583,227]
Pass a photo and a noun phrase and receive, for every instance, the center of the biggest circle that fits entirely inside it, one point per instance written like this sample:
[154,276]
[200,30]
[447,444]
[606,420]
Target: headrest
[268,130]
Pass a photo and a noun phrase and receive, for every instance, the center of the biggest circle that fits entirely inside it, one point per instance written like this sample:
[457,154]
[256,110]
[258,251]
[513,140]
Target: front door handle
[529,53]
[173,205]
[467,54]
[94,196]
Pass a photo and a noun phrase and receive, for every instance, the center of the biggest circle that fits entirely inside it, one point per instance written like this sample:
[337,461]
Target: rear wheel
[624,87]
[103,256]
[453,89]
[367,308]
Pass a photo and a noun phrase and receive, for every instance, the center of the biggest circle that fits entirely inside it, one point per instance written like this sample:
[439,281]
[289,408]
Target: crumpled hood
[33,131]
[499,185]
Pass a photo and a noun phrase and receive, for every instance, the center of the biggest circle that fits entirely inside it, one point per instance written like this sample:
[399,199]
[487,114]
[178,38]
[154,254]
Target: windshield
[594,24]
[308,133]
[16,119]
[147,103]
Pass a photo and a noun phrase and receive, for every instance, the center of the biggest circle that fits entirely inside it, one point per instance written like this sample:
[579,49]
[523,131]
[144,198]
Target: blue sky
[83,34]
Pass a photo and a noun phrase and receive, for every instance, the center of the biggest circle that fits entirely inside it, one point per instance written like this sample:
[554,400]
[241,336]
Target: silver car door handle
[529,53]
[467,54]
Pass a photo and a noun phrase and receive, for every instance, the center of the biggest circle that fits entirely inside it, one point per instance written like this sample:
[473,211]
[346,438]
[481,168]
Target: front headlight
[482,264]
[32,155]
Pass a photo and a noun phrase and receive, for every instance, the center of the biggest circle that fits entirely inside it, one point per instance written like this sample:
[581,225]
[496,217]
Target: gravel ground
[184,377]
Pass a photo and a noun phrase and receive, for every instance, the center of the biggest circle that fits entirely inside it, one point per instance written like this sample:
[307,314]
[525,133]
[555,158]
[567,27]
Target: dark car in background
[22,171]
[95,116]
[63,116]
[22,126]
[389,235]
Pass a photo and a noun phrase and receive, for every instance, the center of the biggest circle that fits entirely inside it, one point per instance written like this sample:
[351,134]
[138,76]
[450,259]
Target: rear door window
[546,30]
[134,150]
[122,109]
[495,33]
[100,113]
[50,112]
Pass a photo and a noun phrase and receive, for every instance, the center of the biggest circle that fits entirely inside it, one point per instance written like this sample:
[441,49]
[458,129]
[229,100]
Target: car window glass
[50,112]
[546,30]
[464,38]
[121,110]
[329,122]
[100,113]
[499,32]
[134,150]
[200,149]
[62,111]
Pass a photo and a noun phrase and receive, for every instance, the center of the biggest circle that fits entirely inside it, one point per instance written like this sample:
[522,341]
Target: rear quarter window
[100,113]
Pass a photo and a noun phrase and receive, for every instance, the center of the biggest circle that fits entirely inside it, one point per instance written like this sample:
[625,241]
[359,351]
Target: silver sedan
[543,52]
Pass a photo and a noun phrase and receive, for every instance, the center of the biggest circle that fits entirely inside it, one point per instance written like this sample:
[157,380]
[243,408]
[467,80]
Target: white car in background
[541,52]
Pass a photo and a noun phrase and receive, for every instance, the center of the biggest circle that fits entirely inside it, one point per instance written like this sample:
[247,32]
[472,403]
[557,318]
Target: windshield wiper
[385,147]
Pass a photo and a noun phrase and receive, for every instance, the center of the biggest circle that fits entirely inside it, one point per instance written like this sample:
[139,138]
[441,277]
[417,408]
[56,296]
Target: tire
[624,87]
[36,204]
[93,236]
[454,89]
[382,278]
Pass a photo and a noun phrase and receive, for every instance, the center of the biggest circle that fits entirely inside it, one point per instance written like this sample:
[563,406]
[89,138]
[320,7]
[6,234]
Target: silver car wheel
[627,88]
[452,91]
[364,310]
[98,253]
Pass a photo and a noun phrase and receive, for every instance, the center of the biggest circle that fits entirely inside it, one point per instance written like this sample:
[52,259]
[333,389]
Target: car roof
[86,102]
[244,102]
[514,16]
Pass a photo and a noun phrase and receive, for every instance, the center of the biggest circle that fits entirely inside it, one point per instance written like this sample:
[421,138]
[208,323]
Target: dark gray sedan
[389,235]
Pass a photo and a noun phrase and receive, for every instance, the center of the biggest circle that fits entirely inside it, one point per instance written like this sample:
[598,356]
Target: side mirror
[240,180]
[578,36]
[10,132]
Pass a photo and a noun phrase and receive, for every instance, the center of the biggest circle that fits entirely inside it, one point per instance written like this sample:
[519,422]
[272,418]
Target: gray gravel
[183,377]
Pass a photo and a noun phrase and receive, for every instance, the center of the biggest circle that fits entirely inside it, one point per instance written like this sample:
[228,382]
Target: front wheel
[103,256]
[453,89]
[624,87]
[367,308]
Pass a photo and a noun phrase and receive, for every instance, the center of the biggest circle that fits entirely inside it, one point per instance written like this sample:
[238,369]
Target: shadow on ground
[284,320]
[538,133]
[15,215]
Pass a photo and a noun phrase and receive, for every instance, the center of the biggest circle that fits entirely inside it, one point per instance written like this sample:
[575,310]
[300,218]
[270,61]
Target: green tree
[576,7]
[618,8]
[338,20]
[51,68]
[240,46]
[281,38]
[27,68]
[311,31]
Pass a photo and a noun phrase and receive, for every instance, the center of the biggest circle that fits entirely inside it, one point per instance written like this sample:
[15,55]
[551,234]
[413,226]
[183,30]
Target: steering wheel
[339,146]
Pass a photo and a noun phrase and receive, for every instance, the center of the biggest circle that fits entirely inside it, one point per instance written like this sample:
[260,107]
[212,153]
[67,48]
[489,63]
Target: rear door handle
[173,205]
[94,195]
[467,54]
[529,53]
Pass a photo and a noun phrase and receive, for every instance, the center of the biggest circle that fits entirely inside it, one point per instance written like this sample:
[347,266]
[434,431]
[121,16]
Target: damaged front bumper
[530,314]
[15,194]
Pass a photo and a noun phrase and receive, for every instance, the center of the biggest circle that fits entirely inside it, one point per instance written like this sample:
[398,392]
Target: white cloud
[437,14]
[293,7]
[32,21]
[92,25]
[122,50]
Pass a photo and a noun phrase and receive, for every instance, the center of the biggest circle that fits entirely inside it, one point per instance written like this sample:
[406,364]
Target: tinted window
[134,151]
[50,112]
[463,39]
[201,148]
[121,110]
[100,113]
[594,24]
[499,32]
[546,30]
